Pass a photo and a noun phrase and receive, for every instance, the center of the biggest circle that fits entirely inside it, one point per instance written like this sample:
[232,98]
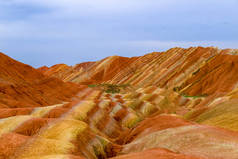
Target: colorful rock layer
[178,104]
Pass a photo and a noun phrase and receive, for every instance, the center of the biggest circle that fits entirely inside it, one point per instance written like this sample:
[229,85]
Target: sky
[47,32]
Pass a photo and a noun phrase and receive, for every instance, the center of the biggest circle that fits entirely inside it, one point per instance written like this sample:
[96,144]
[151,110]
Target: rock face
[178,104]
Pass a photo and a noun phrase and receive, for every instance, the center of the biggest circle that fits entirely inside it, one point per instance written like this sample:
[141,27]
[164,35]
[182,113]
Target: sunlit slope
[22,86]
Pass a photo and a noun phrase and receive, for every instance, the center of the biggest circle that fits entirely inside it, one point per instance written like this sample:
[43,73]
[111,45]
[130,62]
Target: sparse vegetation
[110,88]
[92,85]
[197,96]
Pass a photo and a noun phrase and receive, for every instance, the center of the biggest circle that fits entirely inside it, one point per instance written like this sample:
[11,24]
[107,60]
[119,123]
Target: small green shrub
[197,96]
[110,88]
[92,85]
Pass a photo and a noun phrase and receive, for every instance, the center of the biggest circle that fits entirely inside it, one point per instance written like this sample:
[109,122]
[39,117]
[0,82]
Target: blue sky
[46,32]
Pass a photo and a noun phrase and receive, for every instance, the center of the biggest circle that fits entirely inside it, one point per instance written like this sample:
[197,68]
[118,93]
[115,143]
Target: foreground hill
[22,86]
[178,104]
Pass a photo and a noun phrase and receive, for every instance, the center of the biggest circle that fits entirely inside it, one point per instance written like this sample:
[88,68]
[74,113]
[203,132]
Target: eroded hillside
[178,104]
[22,86]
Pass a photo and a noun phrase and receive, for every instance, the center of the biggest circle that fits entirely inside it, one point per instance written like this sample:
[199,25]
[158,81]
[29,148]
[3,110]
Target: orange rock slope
[22,86]
[178,104]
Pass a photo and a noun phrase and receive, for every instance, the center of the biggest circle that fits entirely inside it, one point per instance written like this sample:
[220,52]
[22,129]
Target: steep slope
[23,86]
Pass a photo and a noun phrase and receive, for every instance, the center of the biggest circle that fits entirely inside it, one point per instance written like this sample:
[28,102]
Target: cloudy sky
[46,32]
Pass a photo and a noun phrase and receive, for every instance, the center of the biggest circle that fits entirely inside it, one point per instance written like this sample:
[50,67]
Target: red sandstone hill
[23,86]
